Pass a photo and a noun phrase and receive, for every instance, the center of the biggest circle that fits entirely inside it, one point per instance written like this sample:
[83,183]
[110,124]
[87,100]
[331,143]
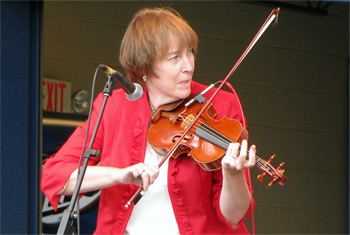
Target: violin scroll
[276,174]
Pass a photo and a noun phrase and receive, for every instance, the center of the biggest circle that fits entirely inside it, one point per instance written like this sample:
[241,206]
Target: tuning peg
[280,165]
[260,177]
[271,158]
[275,179]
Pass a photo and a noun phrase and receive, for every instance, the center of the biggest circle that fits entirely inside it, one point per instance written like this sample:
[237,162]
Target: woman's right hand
[139,174]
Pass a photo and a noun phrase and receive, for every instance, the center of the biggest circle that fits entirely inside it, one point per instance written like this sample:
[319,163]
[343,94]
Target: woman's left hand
[238,157]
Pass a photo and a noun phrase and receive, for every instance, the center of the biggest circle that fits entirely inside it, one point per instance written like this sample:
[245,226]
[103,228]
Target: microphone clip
[108,89]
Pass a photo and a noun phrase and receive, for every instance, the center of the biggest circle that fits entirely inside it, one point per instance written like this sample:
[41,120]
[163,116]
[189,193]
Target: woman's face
[172,76]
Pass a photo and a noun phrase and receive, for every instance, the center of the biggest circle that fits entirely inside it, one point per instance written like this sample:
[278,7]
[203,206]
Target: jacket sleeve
[57,169]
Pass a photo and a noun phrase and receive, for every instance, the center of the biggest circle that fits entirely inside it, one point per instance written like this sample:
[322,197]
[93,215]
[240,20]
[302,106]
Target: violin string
[215,134]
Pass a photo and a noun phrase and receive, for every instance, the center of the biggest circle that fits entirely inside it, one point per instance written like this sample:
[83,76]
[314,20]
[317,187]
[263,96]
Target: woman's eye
[175,57]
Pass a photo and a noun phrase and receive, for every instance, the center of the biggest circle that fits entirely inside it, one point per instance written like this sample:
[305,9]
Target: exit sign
[57,95]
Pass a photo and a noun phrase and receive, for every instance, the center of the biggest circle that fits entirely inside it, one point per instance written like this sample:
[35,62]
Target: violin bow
[273,15]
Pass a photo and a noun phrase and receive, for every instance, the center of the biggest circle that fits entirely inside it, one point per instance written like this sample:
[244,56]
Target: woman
[158,50]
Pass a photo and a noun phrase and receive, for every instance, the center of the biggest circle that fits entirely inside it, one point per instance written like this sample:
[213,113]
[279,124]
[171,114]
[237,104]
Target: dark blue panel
[34,124]
[19,109]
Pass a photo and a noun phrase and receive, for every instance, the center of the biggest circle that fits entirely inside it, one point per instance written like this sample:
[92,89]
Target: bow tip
[276,11]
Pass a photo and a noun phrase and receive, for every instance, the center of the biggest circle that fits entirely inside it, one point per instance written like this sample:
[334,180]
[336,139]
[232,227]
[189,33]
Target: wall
[293,86]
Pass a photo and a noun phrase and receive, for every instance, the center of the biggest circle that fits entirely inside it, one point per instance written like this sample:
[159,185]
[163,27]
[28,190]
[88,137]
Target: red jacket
[194,193]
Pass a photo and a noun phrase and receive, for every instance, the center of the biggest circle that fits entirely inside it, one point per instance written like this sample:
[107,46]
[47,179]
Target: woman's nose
[188,64]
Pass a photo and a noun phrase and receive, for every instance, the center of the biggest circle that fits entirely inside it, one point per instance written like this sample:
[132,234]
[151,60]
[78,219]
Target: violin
[207,140]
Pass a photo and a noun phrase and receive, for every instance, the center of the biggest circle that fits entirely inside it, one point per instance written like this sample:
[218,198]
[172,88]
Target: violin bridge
[187,121]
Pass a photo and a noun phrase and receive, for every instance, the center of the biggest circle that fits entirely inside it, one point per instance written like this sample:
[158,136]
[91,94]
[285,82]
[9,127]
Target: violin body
[206,142]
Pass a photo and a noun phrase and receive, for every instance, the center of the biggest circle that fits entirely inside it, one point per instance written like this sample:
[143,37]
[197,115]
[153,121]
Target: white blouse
[154,214]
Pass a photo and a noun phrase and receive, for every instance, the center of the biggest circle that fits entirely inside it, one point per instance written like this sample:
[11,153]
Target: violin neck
[206,132]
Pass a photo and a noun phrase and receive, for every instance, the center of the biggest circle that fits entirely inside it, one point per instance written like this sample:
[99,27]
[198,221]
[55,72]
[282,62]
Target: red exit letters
[56,95]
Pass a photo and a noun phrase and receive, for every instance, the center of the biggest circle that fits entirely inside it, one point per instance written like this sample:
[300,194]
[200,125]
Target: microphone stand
[69,215]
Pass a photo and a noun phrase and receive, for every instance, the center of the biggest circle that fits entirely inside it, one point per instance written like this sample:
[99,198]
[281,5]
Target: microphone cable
[85,141]
[248,170]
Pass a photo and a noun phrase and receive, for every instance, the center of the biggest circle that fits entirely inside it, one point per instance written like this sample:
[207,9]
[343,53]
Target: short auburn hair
[147,38]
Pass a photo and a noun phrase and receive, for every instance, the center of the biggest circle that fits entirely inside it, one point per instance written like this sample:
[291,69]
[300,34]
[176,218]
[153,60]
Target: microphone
[133,91]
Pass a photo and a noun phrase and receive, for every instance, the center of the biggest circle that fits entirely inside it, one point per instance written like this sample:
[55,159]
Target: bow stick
[273,15]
